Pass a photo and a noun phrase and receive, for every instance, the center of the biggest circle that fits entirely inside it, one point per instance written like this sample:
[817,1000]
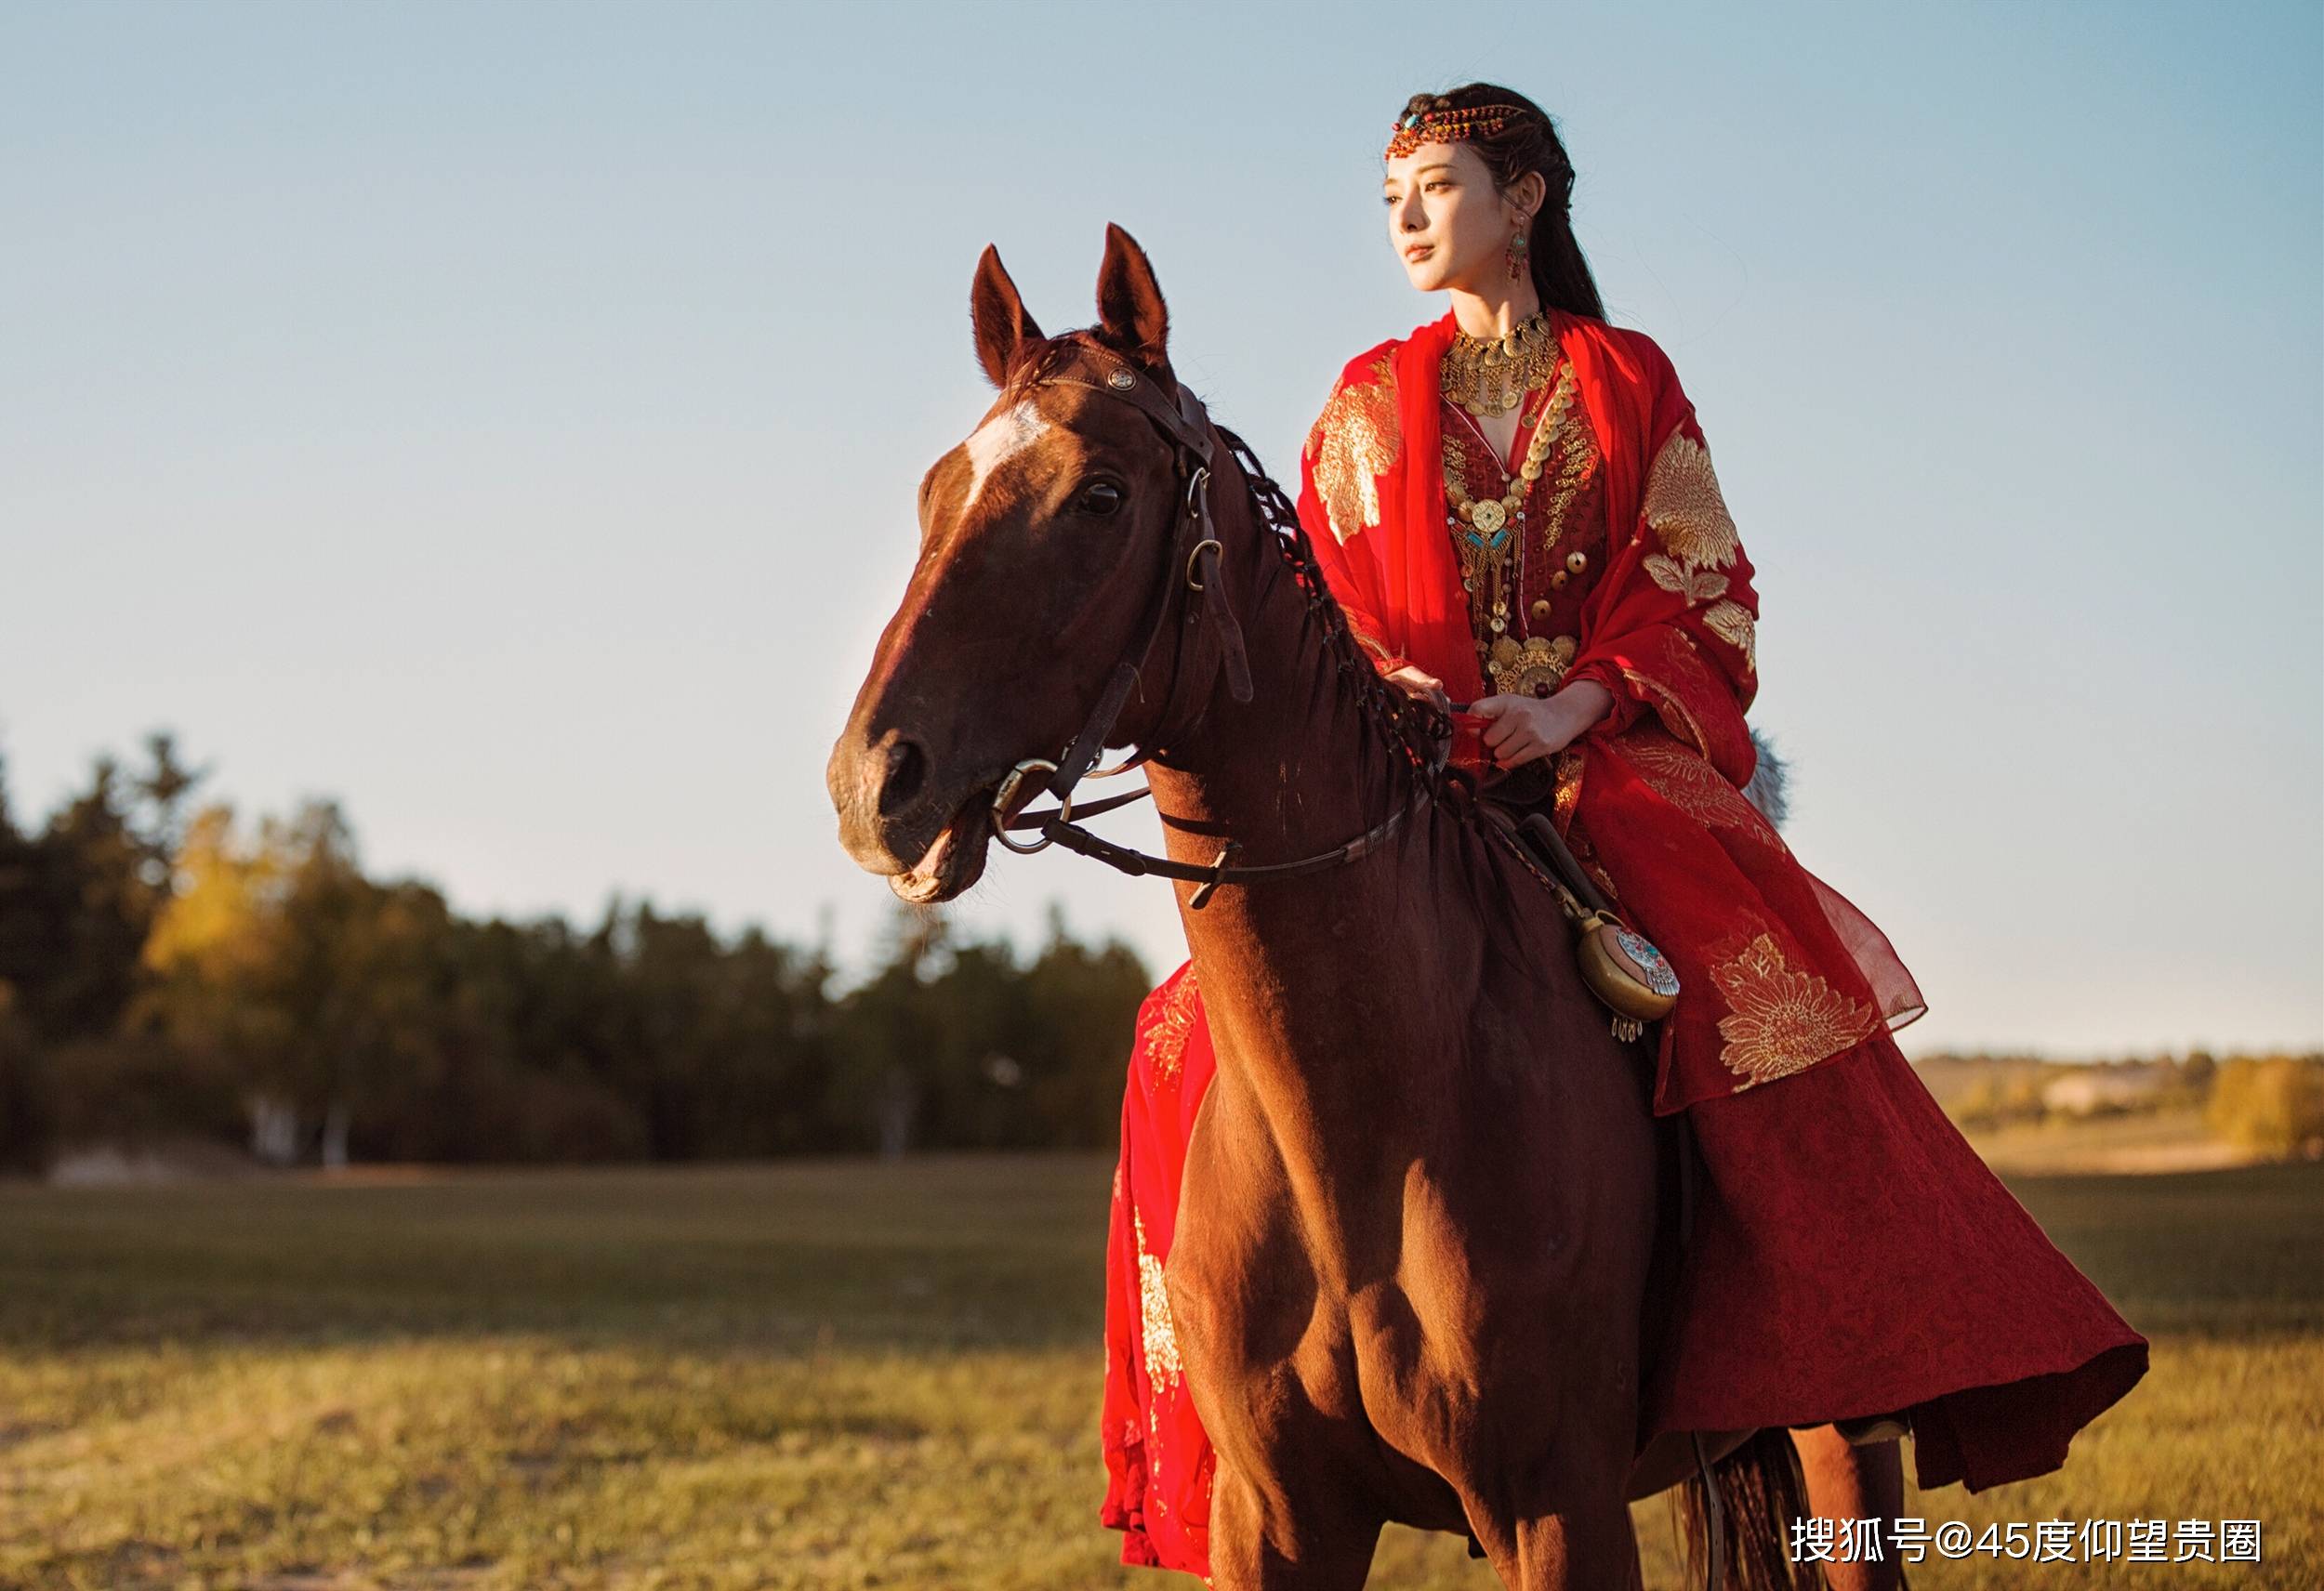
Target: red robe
[1852,1255]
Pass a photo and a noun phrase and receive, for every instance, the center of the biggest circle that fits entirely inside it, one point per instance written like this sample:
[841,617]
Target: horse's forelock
[1039,359]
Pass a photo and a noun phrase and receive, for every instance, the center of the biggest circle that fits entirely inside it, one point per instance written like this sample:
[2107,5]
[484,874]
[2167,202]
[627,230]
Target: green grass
[853,1375]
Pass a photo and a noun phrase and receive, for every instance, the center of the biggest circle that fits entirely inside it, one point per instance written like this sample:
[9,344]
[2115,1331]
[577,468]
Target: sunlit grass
[850,1375]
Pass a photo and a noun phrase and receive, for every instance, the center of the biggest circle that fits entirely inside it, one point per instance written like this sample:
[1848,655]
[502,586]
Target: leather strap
[1187,425]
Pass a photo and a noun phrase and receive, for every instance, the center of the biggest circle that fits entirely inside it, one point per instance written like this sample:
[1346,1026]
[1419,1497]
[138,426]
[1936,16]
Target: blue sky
[507,419]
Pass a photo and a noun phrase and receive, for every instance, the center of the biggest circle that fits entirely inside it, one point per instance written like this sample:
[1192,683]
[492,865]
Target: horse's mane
[1413,728]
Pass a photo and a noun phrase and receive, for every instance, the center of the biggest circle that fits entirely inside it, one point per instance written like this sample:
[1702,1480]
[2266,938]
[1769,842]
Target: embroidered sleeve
[1677,633]
[1351,445]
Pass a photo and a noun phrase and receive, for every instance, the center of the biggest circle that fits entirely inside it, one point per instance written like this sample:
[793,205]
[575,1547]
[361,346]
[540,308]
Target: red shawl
[1778,971]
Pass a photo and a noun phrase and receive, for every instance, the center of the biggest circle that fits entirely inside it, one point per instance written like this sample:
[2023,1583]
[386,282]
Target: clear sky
[507,418]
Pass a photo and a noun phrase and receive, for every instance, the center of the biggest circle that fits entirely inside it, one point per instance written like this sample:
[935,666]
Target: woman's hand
[1525,728]
[1415,681]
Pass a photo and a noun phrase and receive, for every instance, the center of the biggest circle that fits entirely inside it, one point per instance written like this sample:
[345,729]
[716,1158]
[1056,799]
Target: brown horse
[1416,1237]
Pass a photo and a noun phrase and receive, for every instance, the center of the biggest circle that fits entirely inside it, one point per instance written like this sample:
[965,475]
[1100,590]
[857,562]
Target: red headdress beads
[1443,123]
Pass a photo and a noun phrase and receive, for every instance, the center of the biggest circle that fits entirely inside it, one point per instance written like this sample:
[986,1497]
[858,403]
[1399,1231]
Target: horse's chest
[1378,1314]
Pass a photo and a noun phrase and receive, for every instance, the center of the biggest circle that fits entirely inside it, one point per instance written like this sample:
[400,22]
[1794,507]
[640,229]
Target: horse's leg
[1260,1545]
[1583,1549]
[1846,1481]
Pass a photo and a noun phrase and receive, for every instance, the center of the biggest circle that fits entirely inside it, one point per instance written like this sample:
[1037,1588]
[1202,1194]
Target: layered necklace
[1487,375]
[1491,375]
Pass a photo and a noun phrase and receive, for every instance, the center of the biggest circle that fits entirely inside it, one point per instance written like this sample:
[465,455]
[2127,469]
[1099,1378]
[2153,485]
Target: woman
[1516,509]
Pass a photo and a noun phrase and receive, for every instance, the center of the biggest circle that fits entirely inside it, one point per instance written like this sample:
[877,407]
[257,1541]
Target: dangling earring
[1517,246]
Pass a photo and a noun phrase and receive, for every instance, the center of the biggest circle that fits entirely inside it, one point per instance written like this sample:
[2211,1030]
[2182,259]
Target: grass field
[855,1374]
[2149,1141]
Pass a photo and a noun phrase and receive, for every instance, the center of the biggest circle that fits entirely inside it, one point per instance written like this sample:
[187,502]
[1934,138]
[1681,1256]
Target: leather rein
[1196,553]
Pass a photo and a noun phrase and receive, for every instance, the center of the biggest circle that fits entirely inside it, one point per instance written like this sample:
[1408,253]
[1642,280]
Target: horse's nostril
[903,770]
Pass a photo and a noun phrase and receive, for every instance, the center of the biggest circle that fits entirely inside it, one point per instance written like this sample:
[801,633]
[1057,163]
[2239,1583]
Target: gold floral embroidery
[1604,881]
[1730,622]
[1690,783]
[1164,1036]
[1356,441]
[1666,703]
[1683,505]
[1695,585]
[1369,643]
[1158,1331]
[1684,674]
[1568,773]
[1577,452]
[1780,1021]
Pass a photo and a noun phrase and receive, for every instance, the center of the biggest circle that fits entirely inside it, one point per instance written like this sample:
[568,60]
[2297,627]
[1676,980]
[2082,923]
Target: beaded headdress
[1443,123]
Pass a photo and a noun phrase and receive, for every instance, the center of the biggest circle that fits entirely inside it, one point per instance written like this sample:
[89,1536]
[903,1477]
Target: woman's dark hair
[1530,143]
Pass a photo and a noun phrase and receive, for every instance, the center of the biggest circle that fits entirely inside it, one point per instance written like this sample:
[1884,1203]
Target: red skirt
[1851,1256]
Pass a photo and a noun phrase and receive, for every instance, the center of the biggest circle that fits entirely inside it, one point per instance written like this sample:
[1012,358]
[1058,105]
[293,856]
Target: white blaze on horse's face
[997,440]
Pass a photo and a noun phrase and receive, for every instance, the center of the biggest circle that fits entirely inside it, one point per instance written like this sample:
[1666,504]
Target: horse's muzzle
[896,823]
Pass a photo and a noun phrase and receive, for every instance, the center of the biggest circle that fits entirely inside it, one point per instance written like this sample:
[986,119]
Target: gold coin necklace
[1491,375]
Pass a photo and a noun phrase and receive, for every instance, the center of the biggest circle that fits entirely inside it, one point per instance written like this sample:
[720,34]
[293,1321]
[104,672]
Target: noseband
[1195,554]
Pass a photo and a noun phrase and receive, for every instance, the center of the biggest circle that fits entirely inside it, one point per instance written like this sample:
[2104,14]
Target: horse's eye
[1099,499]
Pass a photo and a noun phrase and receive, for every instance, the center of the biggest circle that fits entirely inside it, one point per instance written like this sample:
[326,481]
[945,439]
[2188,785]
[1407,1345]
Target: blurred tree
[885,1034]
[27,1117]
[952,1044]
[216,957]
[2271,1106]
[1084,1002]
[77,901]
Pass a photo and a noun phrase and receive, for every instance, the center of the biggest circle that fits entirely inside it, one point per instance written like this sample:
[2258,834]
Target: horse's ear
[1131,315]
[1002,326]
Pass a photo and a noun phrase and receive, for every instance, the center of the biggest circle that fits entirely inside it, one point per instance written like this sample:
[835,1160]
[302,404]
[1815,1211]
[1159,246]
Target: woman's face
[1446,221]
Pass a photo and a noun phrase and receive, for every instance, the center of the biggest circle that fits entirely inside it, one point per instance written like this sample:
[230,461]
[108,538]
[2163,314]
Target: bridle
[1195,554]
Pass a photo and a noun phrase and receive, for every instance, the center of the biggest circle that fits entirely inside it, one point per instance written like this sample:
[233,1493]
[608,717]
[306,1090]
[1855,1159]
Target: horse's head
[1047,545]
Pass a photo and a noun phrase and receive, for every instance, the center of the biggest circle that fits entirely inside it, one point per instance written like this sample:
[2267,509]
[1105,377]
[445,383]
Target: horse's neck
[1299,975]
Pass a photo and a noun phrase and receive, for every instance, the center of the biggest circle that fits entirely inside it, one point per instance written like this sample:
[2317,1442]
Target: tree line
[2268,1105]
[168,970]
